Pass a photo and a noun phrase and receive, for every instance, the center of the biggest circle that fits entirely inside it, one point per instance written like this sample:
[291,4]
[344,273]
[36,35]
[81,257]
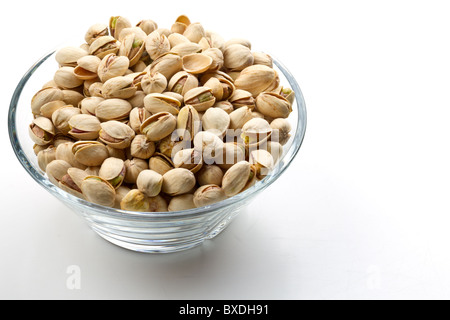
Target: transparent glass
[144,232]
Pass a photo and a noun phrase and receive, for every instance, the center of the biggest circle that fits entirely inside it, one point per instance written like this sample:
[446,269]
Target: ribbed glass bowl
[144,232]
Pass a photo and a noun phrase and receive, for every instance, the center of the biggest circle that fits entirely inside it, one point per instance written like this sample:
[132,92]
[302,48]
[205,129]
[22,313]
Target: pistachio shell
[263,162]
[281,130]
[49,108]
[182,82]
[196,63]
[90,153]
[65,78]
[41,131]
[201,98]
[160,163]
[137,117]
[112,66]
[149,182]
[44,96]
[182,202]
[95,31]
[167,64]
[132,46]
[188,123]
[273,105]
[210,174]
[176,39]
[209,144]
[141,147]
[159,126]
[98,191]
[103,46]
[256,79]
[190,159]
[239,117]
[113,109]
[57,169]
[195,32]
[45,156]
[178,181]
[216,121]
[148,26]
[72,181]
[116,134]
[186,48]
[256,131]
[89,104]
[238,178]
[118,87]
[232,153]
[241,98]
[113,170]
[61,117]
[156,44]
[133,167]
[84,126]
[135,200]
[117,24]
[208,195]
[64,152]
[153,83]
[157,102]
[237,57]
[68,56]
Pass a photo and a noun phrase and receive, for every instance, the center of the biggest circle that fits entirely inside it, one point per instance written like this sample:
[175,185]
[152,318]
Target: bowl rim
[279,169]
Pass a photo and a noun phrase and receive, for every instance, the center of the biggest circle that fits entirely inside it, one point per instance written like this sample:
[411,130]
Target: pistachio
[45,156]
[256,131]
[119,87]
[156,44]
[136,117]
[138,34]
[56,170]
[98,191]
[217,57]
[61,117]
[182,202]
[216,121]
[117,24]
[68,56]
[87,67]
[112,66]
[121,192]
[167,64]
[262,58]
[72,97]
[89,104]
[44,96]
[64,152]
[137,100]
[256,79]
[209,144]
[95,31]
[90,153]
[221,88]
[182,82]
[276,150]
[208,195]
[148,26]
[132,46]
[72,180]
[185,49]
[238,178]
[113,170]
[133,167]
[287,93]
[263,162]
[178,181]
[241,98]
[104,45]
[176,38]
[116,134]
[281,130]
[194,32]
[160,163]
[188,123]
[159,126]
[190,159]
[149,182]
[240,41]
[157,102]
[210,174]
[65,78]
[153,83]
[237,57]
[273,105]
[201,98]
[170,145]
[135,200]
[41,131]
[225,106]
[84,126]
[141,147]
[49,108]
[239,117]
[231,154]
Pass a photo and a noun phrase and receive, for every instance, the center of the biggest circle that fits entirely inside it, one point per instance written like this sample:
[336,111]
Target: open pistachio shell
[117,24]
[135,200]
[194,32]
[98,190]
[62,116]
[64,152]
[57,169]
[44,96]
[84,126]
[157,102]
[263,162]
[208,195]
[167,64]
[137,117]
[256,131]
[209,144]
[95,31]
[45,156]
[196,63]
[201,98]
[116,134]
[159,126]
[182,82]
[49,108]
[103,46]
[188,123]
[273,105]
[160,163]
[41,131]
[186,48]
[238,178]
[112,66]
[87,67]
[190,159]
[239,117]
[71,182]
[232,153]
[90,153]
[241,98]
[119,87]
[113,170]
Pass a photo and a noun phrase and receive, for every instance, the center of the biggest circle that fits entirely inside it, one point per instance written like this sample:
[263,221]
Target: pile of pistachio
[149,119]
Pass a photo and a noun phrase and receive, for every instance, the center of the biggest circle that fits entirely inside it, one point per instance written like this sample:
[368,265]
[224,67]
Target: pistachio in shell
[113,170]
[133,167]
[84,126]
[201,98]
[159,126]
[157,102]
[273,105]
[238,178]
[113,109]
[99,191]
[41,131]
[116,134]
[182,202]
[182,82]
[178,181]
[149,182]
[90,153]
[190,159]
[208,195]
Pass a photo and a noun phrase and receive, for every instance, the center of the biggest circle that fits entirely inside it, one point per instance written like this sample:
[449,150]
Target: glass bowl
[144,232]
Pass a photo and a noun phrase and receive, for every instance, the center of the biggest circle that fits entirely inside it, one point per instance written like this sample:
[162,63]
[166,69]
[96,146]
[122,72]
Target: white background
[362,213]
